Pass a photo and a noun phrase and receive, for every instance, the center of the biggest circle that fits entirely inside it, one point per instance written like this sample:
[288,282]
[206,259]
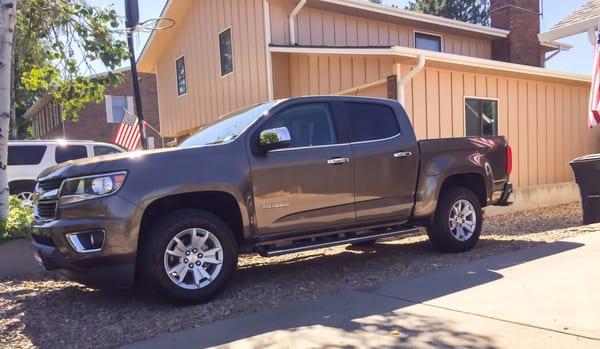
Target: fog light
[87,242]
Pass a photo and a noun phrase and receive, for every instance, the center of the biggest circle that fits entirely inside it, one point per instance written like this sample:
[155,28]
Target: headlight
[90,187]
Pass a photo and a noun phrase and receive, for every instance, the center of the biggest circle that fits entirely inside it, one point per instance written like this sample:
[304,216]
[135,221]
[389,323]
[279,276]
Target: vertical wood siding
[208,94]
[322,28]
[543,121]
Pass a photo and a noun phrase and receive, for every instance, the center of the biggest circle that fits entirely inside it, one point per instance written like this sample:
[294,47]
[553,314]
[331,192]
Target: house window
[428,42]
[181,78]
[226,52]
[115,107]
[481,117]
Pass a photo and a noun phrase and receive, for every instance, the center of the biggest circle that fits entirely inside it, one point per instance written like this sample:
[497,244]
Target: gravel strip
[42,310]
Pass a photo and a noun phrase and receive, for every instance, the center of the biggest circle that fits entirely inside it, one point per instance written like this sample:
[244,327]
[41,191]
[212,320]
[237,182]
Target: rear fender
[442,169]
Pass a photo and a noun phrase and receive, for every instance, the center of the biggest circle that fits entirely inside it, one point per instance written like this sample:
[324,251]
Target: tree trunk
[7,25]
[13,111]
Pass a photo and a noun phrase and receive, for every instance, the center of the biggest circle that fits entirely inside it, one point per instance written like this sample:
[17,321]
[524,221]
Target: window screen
[25,154]
[481,117]
[118,105]
[181,78]
[309,125]
[226,52]
[371,121]
[428,42]
[70,152]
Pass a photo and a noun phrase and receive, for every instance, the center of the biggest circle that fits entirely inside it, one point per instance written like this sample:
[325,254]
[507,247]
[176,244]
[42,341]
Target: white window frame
[483,99]
[177,77]
[109,108]
[415,32]
[232,53]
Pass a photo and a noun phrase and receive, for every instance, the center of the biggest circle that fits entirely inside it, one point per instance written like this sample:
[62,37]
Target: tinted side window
[370,121]
[309,124]
[25,154]
[104,150]
[70,152]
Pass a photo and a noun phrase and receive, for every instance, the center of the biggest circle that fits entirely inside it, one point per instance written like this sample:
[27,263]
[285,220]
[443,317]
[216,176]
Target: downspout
[592,36]
[401,82]
[293,16]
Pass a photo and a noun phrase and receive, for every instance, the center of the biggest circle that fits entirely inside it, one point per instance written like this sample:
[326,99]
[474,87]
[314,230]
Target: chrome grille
[45,209]
[49,185]
[45,198]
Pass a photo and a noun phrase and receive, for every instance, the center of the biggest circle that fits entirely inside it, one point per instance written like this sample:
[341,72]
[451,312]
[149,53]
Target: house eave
[37,106]
[569,30]
[439,57]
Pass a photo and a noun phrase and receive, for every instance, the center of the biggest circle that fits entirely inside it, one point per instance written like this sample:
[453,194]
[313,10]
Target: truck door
[385,162]
[309,184]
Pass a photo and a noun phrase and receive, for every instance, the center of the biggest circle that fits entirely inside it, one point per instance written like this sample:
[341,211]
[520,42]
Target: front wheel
[188,256]
[457,221]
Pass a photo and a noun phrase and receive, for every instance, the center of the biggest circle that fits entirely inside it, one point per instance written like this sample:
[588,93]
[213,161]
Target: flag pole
[132,14]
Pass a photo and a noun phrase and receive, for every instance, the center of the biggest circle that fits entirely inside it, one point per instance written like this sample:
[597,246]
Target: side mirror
[274,138]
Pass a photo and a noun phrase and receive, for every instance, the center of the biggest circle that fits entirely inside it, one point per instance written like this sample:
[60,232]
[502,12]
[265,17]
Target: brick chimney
[522,18]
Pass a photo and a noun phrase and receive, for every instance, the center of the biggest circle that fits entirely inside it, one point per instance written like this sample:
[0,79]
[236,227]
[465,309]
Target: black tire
[439,232]
[156,241]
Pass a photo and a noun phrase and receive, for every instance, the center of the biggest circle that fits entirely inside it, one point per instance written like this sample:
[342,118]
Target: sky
[578,60]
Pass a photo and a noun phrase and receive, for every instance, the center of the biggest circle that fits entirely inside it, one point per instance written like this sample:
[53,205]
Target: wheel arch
[473,181]
[20,185]
[222,204]
[432,187]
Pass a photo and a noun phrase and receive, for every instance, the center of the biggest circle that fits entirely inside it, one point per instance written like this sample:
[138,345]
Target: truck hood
[107,163]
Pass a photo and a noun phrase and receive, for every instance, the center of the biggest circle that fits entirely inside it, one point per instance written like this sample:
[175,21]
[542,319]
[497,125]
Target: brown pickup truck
[280,177]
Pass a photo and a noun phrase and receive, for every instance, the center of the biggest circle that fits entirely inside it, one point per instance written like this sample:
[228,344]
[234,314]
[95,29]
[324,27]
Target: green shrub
[18,223]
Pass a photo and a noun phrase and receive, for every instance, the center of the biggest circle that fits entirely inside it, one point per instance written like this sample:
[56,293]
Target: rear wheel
[457,221]
[188,256]
[23,189]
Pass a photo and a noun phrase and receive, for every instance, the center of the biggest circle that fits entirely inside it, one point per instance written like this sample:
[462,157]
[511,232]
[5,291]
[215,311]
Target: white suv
[27,159]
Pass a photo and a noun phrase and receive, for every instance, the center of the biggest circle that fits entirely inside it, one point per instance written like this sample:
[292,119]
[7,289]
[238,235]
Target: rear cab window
[19,155]
[65,153]
[309,124]
[371,121]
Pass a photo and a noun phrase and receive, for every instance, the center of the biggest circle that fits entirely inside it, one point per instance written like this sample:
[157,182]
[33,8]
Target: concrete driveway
[544,297]
[16,258]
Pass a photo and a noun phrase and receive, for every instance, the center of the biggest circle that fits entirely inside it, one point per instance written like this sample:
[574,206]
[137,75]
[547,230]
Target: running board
[278,251]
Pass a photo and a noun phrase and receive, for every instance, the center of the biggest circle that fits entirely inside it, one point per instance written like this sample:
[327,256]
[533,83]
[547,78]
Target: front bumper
[114,265]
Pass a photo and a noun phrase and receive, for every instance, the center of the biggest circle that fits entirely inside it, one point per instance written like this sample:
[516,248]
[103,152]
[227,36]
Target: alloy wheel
[26,198]
[193,258]
[463,220]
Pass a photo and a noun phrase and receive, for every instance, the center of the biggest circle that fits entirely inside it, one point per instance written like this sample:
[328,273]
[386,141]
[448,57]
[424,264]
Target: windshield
[228,127]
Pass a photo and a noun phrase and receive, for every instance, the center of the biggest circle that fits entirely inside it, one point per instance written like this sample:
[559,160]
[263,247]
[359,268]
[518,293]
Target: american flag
[594,115]
[128,132]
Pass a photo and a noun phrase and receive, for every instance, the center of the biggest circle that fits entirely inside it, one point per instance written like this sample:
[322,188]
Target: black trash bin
[587,176]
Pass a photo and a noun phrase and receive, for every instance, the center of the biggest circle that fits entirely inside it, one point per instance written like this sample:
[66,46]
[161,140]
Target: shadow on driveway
[51,312]
[337,314]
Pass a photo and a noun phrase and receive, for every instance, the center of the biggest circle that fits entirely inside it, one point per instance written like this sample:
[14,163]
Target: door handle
[402,154]
[338,161]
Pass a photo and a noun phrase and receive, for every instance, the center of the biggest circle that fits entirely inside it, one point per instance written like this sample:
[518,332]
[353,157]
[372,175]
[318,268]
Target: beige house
[453,78]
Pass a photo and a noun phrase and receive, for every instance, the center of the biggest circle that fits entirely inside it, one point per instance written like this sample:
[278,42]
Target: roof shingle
[588,11]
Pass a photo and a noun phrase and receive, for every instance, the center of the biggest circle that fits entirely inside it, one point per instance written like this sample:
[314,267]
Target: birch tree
[7,25]
[60,46]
